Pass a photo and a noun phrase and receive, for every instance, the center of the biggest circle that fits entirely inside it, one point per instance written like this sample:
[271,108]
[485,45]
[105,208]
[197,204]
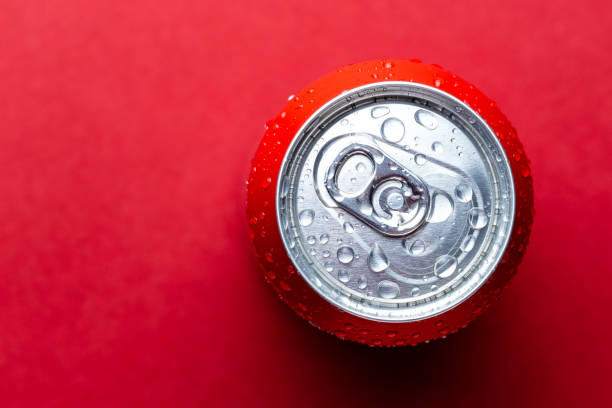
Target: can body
[389,203]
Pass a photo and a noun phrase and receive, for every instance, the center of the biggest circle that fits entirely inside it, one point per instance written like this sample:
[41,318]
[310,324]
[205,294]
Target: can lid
[395,201]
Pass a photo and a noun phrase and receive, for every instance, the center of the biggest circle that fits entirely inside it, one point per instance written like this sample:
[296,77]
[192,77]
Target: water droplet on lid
[393,130]
[468,243]
[420,159]
[478,218]
[344,276]
[311,240]
[426,119]
[379,112]
[326,254]
[377,259]
[329,266]
[442,208]
[353,174]
[387,289]
[284,187]
[362,282]
[415,292]
[445,266]
[437,147]
[306,217]
[463,192]
[415,248]
[348,227]
[344,122]
[324,239]
[345,254]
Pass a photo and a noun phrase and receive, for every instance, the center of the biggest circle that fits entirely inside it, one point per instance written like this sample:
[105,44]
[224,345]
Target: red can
[389,202]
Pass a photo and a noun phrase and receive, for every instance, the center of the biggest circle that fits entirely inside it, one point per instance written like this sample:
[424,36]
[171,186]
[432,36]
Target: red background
[126,274]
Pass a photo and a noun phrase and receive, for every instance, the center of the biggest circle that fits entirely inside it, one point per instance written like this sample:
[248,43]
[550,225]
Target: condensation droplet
[415,248]
[393,130]
[311,240]
[344,275]
[478,218]
[348,227]
[345,254]
[442,208]
[284,187]
[362,282]
[377,259]
[426,119]
[306,217]
[463,192]
[379,112]
[329,266]
[387,289]
[420,159]
[437,147]
[324,239]
[468,243]
[445,266]
[415,292]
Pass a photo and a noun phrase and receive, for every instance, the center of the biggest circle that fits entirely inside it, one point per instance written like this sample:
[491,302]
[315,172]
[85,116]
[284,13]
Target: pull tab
[377,190]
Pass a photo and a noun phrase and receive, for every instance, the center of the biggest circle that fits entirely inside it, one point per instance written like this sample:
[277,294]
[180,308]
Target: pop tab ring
[375,189]
[432,165]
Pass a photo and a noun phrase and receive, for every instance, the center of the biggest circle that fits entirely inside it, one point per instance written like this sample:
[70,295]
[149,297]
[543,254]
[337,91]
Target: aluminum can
[389,202]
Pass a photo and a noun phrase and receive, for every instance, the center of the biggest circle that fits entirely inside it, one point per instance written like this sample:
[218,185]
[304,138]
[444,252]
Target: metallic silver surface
[373,203]
[396,201]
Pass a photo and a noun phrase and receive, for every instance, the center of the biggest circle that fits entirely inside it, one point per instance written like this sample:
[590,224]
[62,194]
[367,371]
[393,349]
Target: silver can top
[395,201]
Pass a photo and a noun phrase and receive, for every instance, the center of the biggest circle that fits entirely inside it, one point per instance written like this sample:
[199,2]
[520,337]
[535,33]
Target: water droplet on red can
[525,171]
[266,182]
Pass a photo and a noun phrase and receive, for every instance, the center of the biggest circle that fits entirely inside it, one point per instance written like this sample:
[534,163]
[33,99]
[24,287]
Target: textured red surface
[261,209]
[127,276]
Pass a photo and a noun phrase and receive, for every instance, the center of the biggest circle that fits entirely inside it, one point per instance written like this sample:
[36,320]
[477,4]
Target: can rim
[460,297]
